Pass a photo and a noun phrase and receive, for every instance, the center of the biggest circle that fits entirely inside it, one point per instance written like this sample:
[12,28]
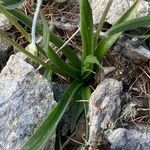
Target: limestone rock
[25,99]
[4,23]
[4,49]
[4,46]
[104,109]
[117,9]
[132,50]
[130,139]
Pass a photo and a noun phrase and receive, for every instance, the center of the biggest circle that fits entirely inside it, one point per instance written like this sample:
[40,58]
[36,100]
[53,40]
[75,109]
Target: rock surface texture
[130,139]
[132,50]
[104,109]
[4,23]
[25,99]
[4,50]
[4,46]
[117,9]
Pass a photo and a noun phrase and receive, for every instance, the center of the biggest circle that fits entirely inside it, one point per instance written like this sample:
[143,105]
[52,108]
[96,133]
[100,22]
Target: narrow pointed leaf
[59,63]
[92,60]
[128,25]
[102,20]
[11,4]
[34,58]
[86,21]
[106,43]
[14,22]
[46,33]
[86,93]
[69,53]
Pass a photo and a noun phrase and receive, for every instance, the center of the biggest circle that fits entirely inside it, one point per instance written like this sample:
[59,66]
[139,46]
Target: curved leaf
[106,43]
[86,28]
[128,25]
[69,53]
[11,4]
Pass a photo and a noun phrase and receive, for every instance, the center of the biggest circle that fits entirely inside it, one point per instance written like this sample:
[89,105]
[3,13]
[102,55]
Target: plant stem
[39,2]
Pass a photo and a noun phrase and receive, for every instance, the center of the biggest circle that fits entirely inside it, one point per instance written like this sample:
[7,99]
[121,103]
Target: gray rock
[4,23]
[117,9]
[25,99]
[104,109]
[4,46]
[58,90]
[132,49]
[4,49]
[130,139]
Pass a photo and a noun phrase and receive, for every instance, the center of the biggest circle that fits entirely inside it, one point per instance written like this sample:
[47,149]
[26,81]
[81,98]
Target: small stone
[130,139]
[4,23]
[132,50]
[25,99]
[104,109]
[4,49]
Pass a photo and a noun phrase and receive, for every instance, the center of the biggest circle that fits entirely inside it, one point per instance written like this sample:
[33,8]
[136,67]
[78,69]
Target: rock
[132,50]
[130,139]
[58,90]
[4,46]
[104,109]
[117,9]
[4,49]
[25,99]
[4,23]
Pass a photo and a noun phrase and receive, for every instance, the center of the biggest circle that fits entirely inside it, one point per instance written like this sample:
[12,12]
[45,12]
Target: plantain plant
[80,69]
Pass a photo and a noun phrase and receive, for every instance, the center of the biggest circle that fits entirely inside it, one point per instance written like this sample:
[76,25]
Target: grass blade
[34,58]
[102,20]
[45,33]
[86,93]
[13,21]
[11,3]
[131,24]
[69,53]
[86,21]
[47,128]
[59,63]
[106,43]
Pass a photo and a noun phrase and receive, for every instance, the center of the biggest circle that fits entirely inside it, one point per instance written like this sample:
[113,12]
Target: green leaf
[11,4]
[46,129]
[57,61]
[48,75]
[13,21]
[102,20]
[76,110]
[86,93]
[63,66]
[34,58]
[128,25]
[144,37]
[91,60]
[78,106]
[106,43]
[45,32]
[69,53]
[86,21]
